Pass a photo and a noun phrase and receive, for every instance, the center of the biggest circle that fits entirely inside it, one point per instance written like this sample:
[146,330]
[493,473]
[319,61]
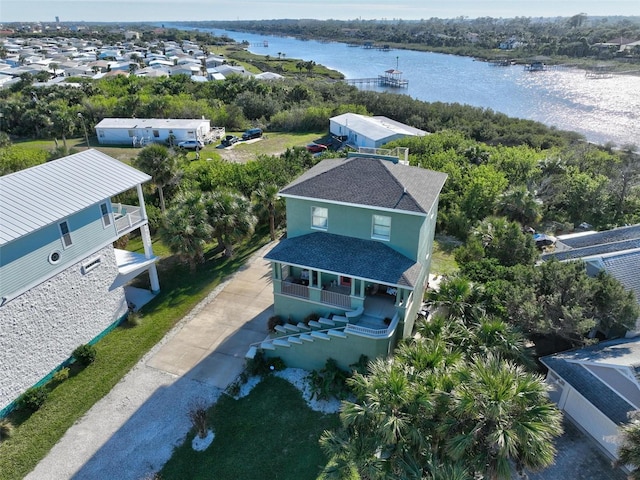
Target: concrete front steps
[301,342]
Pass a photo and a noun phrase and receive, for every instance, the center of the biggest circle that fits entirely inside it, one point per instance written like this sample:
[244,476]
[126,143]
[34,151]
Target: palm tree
[265,199]
[387,428]
[629,451]
[231,216]
[186,228]
[157,161]
[492,335]
[519,205]
[455,299]
[500,414]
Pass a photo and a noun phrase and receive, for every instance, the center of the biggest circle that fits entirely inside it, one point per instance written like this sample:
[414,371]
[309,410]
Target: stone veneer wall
[40,329]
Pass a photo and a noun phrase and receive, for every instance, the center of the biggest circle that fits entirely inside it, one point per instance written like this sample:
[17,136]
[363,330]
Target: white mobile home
[369,132]
[142,131]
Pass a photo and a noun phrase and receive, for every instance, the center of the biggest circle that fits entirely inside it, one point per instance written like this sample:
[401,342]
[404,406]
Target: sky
[189,10]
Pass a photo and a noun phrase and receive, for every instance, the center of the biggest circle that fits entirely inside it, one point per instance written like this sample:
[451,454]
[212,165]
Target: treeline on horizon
[571,37]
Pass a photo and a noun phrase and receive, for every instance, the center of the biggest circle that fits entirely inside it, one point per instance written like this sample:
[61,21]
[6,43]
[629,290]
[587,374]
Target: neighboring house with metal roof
[61,280]
[357,255]
[597,387]
[370,132]
[142,131]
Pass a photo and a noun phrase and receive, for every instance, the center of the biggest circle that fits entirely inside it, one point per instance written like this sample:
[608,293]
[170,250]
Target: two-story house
[356,257]
[61,279]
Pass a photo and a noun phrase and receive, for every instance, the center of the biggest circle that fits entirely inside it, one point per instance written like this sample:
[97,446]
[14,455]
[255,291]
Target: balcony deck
[127,217]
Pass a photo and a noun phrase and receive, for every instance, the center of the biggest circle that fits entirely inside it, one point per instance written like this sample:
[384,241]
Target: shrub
[6,429]
[276,364]
[312,316]
[134,319]
[329,382]
[260,365]
[361,366]
[234,388]
[61,375]
[85,354]
[272,322]
[198,416]
[33,398]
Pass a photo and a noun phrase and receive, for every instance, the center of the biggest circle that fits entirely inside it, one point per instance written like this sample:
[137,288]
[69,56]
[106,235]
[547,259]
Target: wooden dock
[391,78]
[381,80]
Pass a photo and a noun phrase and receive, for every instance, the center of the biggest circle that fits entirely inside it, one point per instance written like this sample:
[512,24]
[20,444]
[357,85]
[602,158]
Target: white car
[191,144]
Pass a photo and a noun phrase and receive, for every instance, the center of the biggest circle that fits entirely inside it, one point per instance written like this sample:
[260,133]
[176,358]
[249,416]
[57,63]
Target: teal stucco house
[350,276]
[62,282]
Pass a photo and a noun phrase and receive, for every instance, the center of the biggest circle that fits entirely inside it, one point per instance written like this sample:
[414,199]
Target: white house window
[101,133]
[132,133]
[381,229]
[319,218]
[156,133]
[66,234]
[106,217]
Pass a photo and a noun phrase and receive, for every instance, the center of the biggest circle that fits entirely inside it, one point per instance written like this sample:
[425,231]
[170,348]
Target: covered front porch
[339,275]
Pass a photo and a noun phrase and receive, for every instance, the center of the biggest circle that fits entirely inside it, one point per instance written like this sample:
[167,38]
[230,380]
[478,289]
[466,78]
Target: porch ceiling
[130,265]
[348,256]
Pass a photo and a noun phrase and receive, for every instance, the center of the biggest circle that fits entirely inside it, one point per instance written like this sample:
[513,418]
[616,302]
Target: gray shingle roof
[606,236]
[597,243]
[370,182]
[601,249]
[348,256]
[38,196]
[625,267]
[614,353]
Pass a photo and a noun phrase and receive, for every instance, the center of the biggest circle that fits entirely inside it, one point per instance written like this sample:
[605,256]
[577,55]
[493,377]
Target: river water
[603,110]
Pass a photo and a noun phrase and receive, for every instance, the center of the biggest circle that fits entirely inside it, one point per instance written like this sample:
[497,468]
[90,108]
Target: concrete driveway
[132,432]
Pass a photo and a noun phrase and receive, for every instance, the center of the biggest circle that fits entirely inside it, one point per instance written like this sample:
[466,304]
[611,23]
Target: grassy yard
[269,434]
[118,352]
[272,143]
[442,262]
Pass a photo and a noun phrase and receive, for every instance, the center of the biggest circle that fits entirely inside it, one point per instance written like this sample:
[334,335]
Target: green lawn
[269,434]
[118,352]
[442,261]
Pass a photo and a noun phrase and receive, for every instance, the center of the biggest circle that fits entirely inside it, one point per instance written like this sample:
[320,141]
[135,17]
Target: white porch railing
[337,299]
[127,217]
[371,332]
[294,290]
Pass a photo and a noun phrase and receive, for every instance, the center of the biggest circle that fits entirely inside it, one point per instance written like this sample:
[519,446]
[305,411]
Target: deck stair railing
[290,334]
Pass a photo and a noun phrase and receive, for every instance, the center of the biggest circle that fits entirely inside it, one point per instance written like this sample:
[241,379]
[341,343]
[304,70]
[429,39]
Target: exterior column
[146,243]
[353,287]
[362,288]
[148,253]
[143,209]
[319,279]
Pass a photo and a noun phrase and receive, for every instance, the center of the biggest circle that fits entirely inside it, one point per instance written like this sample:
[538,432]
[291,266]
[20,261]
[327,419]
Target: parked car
[229,140]
[316,147]
[253,133]
[191,144]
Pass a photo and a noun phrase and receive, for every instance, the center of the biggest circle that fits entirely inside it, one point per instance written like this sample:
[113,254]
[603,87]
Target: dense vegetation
[577,37]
